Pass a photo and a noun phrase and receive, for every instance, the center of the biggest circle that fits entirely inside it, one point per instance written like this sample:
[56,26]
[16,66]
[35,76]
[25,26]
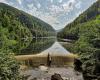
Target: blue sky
[57,13]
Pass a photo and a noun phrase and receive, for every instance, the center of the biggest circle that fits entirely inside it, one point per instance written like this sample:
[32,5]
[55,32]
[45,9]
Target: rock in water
[43,68]
[56,77]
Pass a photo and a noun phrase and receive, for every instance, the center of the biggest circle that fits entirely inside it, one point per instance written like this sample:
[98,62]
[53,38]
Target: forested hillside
[17,28]
[90,14]
[85,31]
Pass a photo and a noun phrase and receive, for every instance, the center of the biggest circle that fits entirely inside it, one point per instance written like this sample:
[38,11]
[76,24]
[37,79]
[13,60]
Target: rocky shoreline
[45,73]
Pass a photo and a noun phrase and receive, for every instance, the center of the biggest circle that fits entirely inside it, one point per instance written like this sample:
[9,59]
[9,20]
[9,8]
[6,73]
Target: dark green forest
[37,46]
[17,30]
[85,32]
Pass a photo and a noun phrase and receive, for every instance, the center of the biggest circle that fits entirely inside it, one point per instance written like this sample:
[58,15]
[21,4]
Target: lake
[36,53]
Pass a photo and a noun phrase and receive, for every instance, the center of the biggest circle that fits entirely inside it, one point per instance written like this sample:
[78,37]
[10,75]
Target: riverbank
[45,73]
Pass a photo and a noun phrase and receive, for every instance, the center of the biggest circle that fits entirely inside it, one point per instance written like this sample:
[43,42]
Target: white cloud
[68,5]
[33,11]
[30,6]
[65,6]
[60,1]
[55,10]
[48,18]
[78,5]
[38,5]
[2,0]
[11,3]
[51,1]
[19,1]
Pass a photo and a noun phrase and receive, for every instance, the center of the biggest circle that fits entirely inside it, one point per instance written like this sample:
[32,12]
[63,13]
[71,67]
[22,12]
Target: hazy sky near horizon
[57,13]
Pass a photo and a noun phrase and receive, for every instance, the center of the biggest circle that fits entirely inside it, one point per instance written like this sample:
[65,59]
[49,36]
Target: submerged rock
[43,68]
[56,77]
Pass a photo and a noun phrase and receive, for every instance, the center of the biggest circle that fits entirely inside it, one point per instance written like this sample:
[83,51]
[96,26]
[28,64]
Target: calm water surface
[44,46]
[36,53]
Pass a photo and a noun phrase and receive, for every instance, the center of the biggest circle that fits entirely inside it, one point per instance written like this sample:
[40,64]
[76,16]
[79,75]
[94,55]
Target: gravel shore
[45,73]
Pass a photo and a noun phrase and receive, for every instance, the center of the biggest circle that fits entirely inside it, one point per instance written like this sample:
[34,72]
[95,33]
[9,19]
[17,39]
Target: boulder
[56,77]
[77,64]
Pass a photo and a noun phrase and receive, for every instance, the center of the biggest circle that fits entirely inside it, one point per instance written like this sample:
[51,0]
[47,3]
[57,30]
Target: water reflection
[55,50]
[37,46]
[59,55]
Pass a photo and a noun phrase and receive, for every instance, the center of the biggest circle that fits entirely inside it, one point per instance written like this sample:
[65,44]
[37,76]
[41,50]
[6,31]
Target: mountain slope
[17,28]
[29,21]
[90,14]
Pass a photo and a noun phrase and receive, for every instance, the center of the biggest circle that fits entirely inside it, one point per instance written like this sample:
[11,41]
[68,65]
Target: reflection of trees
[37,45]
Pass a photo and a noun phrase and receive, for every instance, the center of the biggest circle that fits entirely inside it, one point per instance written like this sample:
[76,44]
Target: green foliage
[12,34]
[87,45]
[9,68]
